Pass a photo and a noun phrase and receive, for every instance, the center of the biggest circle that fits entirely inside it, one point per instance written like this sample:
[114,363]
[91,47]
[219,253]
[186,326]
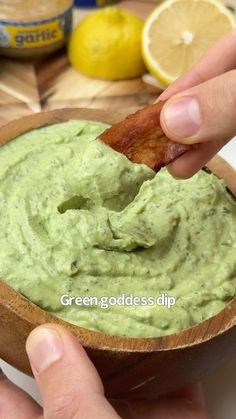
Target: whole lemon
[107,45]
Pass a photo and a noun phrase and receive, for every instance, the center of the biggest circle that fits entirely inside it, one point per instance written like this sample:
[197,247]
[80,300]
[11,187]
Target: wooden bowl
[128,366]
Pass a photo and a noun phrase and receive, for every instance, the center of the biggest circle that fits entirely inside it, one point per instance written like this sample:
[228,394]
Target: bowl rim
[34,315]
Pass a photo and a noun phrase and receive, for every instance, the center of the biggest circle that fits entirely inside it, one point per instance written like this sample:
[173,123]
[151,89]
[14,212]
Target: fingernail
[182,117]
[44,346]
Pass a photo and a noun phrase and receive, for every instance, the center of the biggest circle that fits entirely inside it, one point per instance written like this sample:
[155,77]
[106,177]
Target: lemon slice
[178,32]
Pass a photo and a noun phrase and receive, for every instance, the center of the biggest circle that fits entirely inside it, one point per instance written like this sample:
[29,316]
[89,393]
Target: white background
[219,387]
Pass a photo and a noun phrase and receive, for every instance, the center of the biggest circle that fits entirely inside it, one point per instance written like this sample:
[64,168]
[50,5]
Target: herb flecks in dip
[79,219]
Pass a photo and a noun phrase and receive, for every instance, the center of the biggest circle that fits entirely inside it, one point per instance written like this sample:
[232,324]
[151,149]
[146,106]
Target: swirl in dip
[79,219]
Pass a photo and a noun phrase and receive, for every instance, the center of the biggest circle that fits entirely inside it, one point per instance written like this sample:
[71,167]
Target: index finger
[219,59]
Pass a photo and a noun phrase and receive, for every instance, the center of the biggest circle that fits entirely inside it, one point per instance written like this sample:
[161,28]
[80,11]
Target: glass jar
[93,3]
[30,28]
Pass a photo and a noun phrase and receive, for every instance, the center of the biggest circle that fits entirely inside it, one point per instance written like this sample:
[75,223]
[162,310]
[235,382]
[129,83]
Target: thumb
[69,383]
[204,113]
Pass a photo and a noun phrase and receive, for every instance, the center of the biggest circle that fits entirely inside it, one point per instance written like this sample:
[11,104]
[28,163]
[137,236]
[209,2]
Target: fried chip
[141,139]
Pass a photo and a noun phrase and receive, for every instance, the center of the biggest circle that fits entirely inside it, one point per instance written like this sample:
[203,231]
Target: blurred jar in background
[94,3]
[31,28]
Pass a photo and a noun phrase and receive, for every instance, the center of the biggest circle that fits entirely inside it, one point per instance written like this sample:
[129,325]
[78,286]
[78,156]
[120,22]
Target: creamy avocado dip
[79,219]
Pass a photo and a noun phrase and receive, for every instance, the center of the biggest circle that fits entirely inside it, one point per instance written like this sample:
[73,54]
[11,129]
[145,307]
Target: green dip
[79,219]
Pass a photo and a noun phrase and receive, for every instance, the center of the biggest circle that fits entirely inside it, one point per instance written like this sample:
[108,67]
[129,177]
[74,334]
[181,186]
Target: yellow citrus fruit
[178,32]
[107,45]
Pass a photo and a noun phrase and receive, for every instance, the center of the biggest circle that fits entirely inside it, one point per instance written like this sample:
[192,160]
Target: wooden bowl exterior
[128,366]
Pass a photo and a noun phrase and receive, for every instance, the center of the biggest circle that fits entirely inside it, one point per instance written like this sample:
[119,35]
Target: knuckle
[63,406]
[230,87]
[198,76]
[219,94]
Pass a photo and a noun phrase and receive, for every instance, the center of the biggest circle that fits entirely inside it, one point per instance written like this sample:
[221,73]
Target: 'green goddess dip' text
[79,219]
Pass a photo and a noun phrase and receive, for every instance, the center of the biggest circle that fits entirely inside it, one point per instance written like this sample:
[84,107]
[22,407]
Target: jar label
[35,34]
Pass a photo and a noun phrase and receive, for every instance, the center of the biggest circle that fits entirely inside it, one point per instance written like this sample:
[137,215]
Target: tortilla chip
[141,139]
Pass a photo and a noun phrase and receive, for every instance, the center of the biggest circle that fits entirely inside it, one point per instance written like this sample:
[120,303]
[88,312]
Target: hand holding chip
[201,107]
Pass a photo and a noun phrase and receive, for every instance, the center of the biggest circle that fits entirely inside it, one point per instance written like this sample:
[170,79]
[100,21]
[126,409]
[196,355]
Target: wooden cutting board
[53,83]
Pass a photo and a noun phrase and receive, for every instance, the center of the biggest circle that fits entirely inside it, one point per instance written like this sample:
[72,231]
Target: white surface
[219,388]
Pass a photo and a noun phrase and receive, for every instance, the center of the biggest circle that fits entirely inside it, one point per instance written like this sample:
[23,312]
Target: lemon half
[107,45]
[178,32]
